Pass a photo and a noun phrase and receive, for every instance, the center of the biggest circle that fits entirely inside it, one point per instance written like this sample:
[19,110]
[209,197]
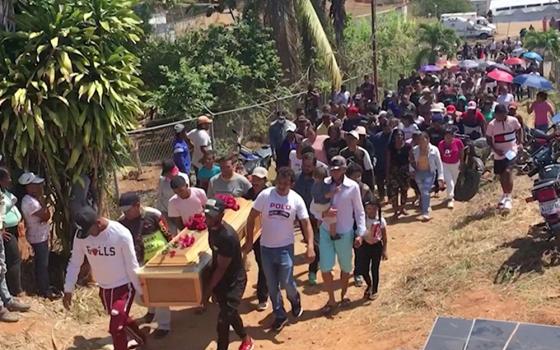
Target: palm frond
[320,38]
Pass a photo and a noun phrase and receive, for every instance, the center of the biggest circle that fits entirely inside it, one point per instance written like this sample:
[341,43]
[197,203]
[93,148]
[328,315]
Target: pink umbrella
[513,61]
[499,75]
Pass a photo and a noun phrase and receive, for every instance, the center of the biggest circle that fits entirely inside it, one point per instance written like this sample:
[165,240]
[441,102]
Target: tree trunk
[281,17]
[7,15]
[338,14]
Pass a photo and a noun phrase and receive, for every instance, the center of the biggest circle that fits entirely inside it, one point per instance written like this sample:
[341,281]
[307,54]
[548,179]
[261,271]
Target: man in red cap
[450,114]
[353,119]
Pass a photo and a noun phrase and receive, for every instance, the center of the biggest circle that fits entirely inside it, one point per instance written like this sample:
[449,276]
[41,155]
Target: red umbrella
[512,61]
[499,75]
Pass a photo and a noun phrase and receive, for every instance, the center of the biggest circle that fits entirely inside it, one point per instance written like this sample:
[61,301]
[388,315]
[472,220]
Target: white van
[465,28]
[472,16]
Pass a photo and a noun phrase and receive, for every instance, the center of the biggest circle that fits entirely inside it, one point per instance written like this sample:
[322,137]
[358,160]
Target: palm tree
[320,39]
[548,41]
[435,39]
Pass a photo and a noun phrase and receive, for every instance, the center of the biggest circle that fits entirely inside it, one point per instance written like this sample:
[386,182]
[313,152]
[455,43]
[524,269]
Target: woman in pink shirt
[543,111]
[317,143]
[451,150]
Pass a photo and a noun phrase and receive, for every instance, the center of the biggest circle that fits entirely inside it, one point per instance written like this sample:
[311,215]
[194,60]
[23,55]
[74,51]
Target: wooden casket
[178,279]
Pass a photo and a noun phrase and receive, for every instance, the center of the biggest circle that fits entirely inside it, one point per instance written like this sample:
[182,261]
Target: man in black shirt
[258,180]
[228,279]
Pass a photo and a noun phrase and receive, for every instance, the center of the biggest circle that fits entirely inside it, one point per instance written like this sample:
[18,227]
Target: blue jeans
[278,265]
[5,296]
[425,181]
[41,251]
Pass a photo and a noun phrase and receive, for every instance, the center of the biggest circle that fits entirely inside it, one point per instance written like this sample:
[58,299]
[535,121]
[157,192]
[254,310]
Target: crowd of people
[337,165]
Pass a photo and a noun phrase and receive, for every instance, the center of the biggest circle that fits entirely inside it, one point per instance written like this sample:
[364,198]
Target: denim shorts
[329,250]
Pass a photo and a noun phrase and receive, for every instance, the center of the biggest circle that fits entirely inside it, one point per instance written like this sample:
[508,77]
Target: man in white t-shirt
[279,207]
[504,98]
[109,249]
[201,140]
[186,202]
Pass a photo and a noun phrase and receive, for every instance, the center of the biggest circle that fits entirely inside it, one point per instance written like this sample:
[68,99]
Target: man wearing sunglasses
[109,248]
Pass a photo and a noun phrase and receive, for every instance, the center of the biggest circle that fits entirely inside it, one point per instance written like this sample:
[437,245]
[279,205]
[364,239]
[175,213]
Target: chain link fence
[151,145]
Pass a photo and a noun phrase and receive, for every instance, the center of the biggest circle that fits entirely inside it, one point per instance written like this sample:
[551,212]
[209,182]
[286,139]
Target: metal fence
[153,144]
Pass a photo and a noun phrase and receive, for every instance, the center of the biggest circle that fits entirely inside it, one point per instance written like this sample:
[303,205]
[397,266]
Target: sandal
[367,294]
[345,302]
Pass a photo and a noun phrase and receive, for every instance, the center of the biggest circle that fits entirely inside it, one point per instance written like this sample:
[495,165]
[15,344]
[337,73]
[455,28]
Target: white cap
[471,105]
[291,127]
[30,178]
[361,130]
[179,128]
[354,134]
[260,172]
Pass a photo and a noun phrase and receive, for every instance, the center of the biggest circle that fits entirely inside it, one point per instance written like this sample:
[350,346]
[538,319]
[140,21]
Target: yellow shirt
[323,129]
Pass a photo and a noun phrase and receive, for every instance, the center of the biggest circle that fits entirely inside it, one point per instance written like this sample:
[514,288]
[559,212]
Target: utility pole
[374,47]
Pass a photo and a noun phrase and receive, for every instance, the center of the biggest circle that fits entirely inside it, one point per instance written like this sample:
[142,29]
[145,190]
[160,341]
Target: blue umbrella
[429,68]
[534,81]
[533,56]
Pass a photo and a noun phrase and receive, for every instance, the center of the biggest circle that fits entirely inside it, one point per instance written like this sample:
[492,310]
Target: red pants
[117,303]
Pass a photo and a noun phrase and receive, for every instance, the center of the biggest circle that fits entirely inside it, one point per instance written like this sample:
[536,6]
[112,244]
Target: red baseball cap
[353,110]
[512,105]
[451,109]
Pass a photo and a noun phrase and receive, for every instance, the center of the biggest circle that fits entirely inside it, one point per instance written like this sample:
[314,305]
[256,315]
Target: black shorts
[501,165]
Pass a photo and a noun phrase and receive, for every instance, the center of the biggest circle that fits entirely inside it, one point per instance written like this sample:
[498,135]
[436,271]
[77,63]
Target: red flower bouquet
[197,222]
[229,201]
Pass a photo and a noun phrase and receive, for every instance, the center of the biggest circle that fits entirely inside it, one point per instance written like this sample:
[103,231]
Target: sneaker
[247,344]
[147,318]
[508,204]
[312,278]
[279,324]
[450,204]
[358,281]
[262,306]
[426,218]
[297,310]
[502,201]
[18,306]
[7,316]
[160,333]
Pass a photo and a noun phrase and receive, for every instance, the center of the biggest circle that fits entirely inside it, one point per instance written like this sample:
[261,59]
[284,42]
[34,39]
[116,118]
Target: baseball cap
[203,120]
[291,128]
[179,128]
[260,172]
[85,218]
[128,200]
[471,105]
[513,105]
[354,134]
[30,178]
[353,110]
[361,130]
[214,207]
[338,162]
[451,109]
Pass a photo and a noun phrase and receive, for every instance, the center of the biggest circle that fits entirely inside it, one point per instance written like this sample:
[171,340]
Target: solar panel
[449,334]
[461,334]
[490,335]
[535,337]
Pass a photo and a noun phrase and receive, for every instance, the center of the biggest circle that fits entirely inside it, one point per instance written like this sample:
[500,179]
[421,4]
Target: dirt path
[358,327]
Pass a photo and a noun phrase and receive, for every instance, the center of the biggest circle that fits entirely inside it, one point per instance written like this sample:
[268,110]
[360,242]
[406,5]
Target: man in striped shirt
[503,134]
